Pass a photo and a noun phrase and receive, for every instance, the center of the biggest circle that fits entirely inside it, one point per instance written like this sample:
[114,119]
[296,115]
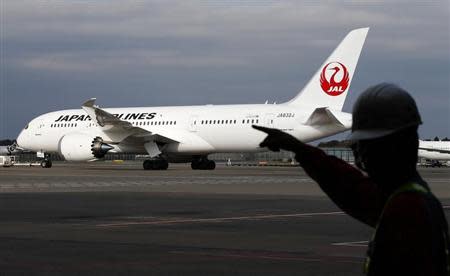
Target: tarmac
[117,219]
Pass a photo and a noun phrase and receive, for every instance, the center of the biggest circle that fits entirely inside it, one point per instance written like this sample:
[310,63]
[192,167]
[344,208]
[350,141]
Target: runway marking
[200,220]
[254,256]
[354,243]
[273,256]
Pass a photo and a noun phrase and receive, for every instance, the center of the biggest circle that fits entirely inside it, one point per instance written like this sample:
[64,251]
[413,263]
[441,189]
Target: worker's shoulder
[408,205]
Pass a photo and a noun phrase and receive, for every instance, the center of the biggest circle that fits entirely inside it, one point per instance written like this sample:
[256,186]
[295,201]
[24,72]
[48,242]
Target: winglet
[102,117]
[89,103]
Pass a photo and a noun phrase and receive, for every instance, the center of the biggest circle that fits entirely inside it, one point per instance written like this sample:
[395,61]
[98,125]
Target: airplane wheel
[46,163]
[147,165]
[211,165]
[158,164]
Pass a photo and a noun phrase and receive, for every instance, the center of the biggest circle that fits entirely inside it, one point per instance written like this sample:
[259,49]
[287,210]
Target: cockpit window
[26,126]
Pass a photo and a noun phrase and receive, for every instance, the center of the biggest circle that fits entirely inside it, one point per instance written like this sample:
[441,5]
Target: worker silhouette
[410,229]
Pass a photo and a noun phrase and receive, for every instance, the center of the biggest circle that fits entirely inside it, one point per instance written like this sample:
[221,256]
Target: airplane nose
[21,141]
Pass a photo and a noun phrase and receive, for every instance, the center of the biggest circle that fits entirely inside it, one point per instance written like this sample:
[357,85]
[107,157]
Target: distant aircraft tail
[329,86]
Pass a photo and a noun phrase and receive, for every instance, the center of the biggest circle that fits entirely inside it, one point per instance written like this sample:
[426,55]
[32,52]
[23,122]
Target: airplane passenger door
[269,119]
[193,123]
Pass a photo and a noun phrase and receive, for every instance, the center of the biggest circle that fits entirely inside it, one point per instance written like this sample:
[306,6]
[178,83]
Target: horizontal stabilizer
[435,150]
[324,116]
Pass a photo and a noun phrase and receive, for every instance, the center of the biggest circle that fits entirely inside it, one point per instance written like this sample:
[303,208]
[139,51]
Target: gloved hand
[277,139]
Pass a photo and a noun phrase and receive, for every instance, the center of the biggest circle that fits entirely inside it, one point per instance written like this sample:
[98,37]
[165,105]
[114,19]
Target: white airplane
[190,133]
[434,150]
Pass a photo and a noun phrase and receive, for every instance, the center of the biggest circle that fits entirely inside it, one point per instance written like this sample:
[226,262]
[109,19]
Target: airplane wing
[435,150]
[116,127]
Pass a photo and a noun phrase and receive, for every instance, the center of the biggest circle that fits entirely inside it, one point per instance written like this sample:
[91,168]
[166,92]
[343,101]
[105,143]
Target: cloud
[82,63]
[246,30]
[239,51]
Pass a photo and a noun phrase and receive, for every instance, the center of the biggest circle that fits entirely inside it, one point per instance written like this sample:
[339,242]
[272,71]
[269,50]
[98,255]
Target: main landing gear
[155,164]
[203,164]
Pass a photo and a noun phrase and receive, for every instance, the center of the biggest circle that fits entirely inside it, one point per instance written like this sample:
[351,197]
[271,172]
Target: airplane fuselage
[435,150]
[215,128]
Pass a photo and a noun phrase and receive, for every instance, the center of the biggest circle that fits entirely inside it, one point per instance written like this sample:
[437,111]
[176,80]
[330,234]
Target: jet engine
[10,150]
[82,147]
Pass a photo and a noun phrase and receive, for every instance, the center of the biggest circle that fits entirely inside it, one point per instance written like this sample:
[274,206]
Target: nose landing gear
[46,162]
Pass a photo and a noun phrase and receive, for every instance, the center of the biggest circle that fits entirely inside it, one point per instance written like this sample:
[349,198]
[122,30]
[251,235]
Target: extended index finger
[263,129]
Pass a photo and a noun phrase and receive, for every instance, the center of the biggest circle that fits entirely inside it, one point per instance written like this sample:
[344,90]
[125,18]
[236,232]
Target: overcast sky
[57,54]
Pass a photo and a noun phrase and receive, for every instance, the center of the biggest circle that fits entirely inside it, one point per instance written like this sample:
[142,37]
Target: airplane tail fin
[329,86]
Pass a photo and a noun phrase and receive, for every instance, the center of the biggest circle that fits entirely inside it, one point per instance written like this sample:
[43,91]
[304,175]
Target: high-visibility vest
[409,187]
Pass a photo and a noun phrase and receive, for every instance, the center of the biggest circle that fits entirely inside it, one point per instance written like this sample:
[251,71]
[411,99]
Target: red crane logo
[329,84]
